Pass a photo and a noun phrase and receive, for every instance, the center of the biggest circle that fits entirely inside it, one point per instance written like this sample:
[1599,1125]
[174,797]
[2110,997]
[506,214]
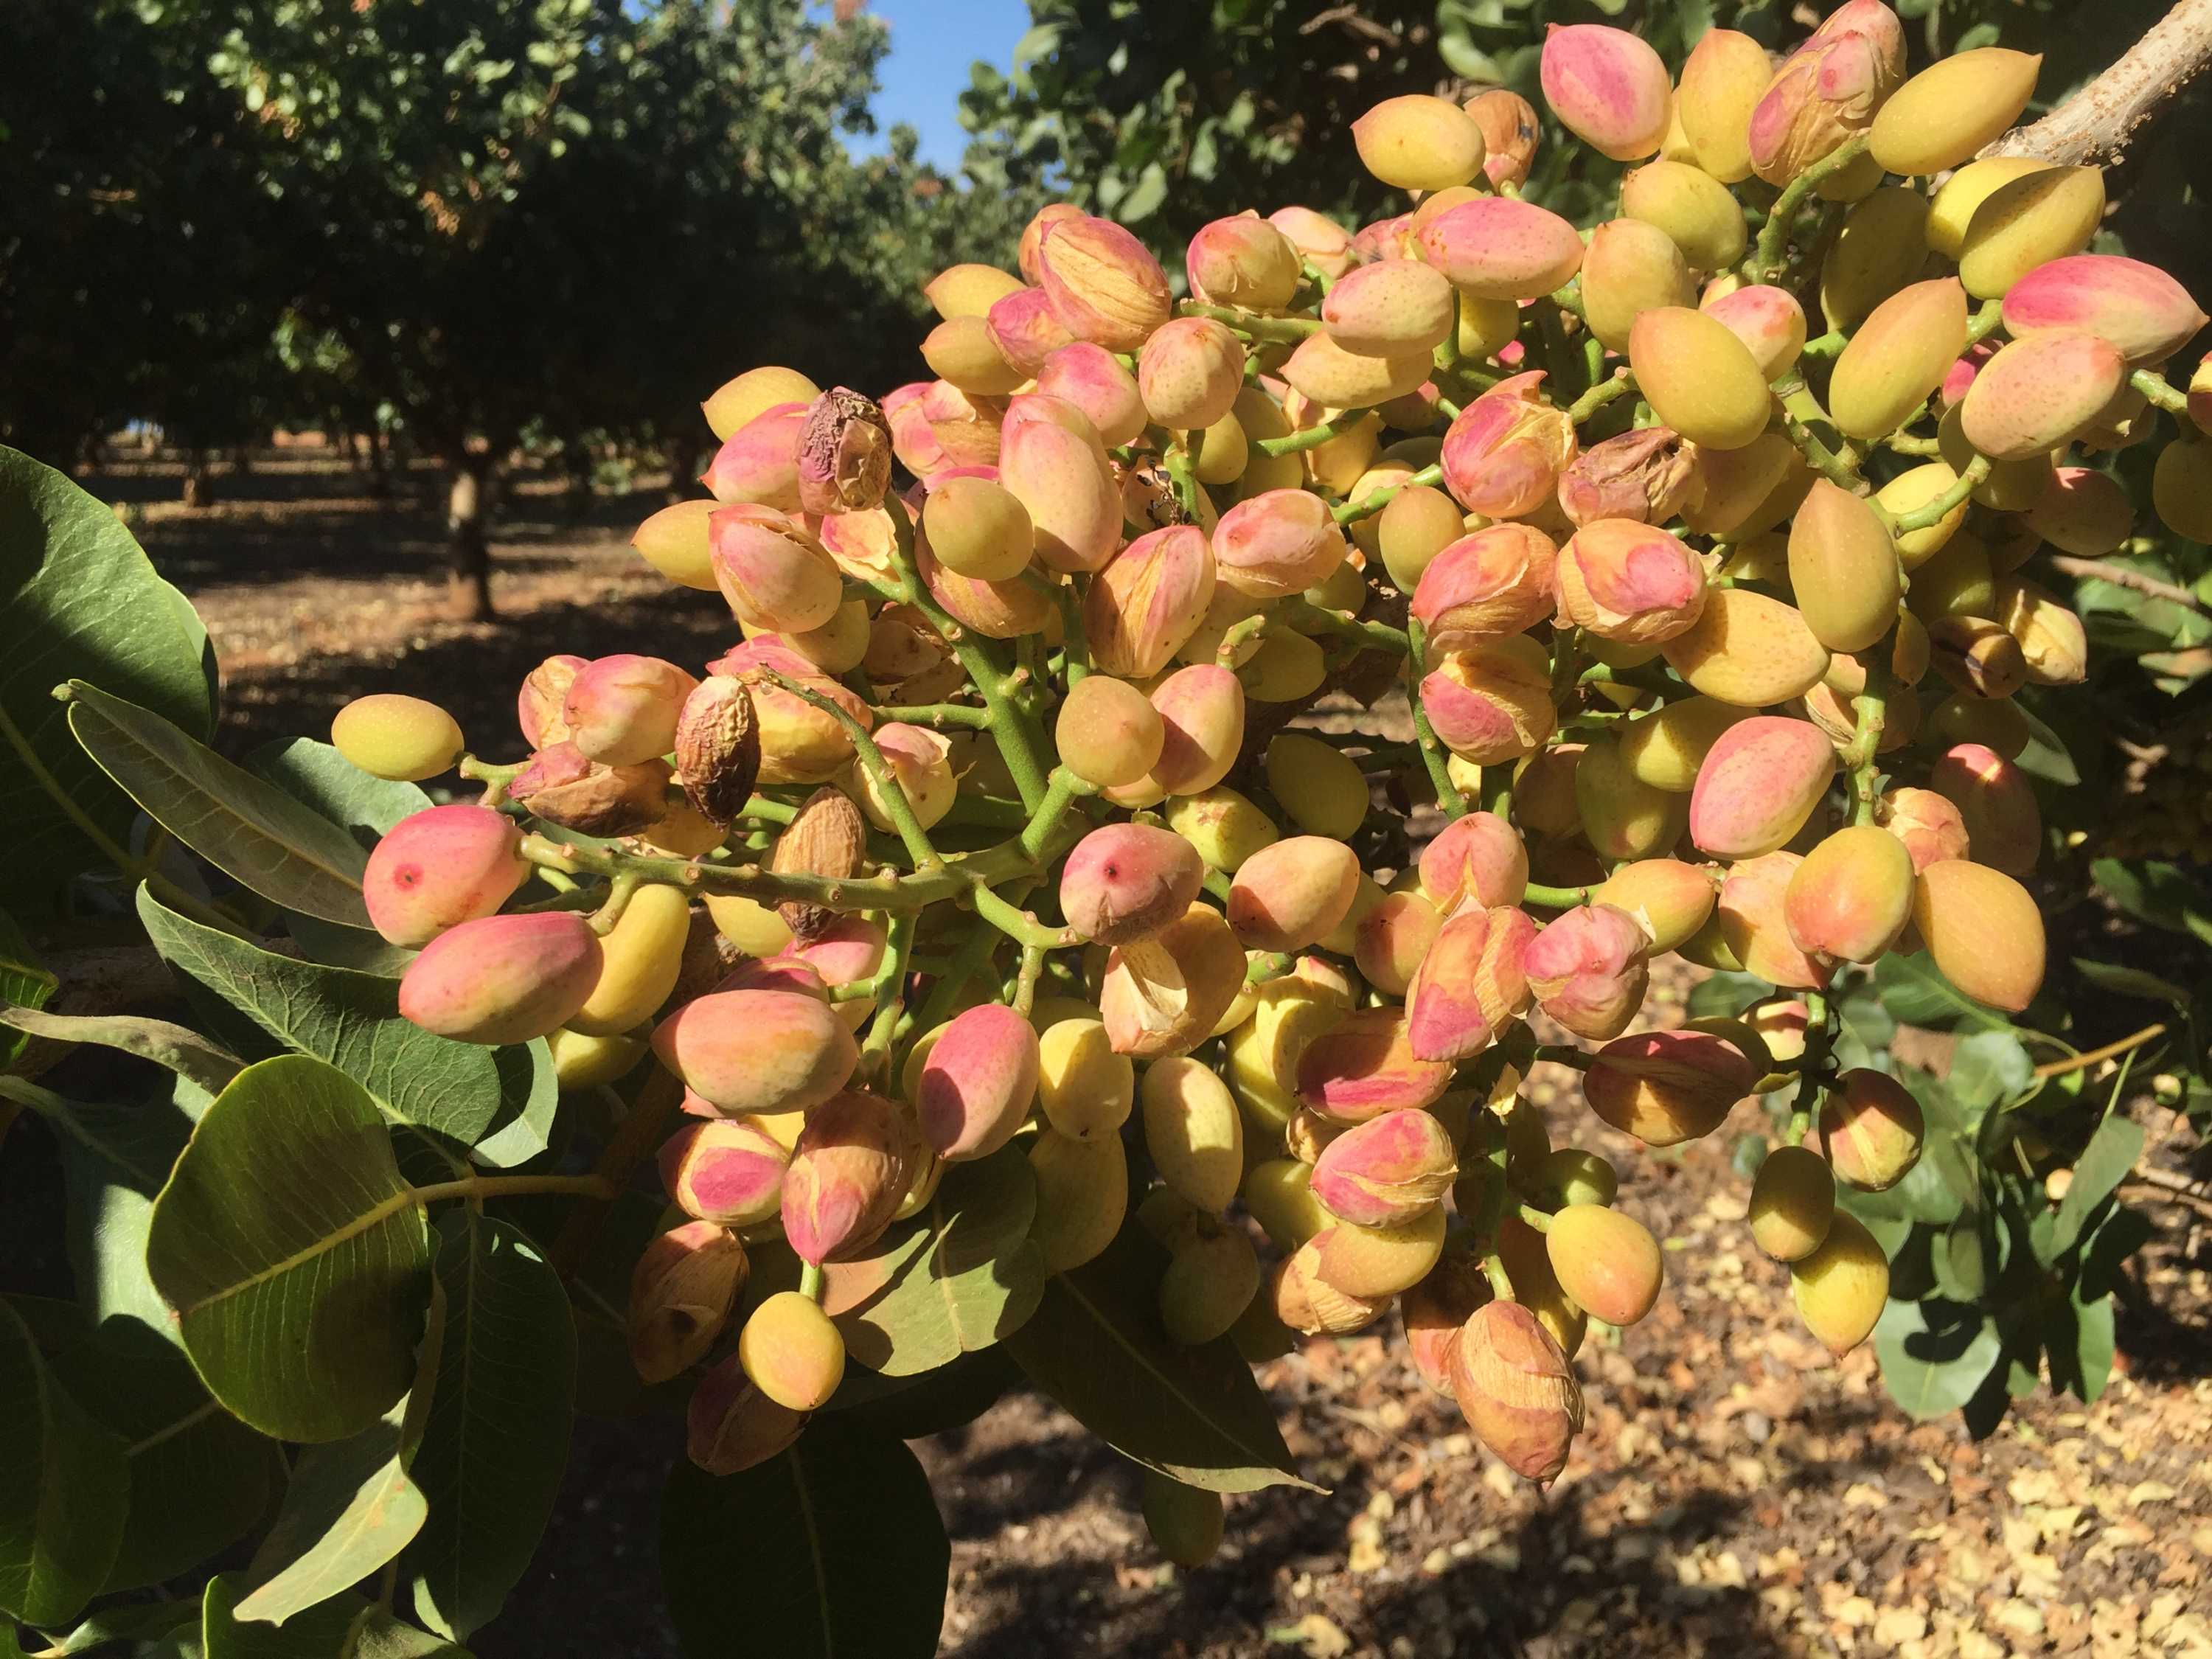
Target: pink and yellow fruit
[1793,1203]
[977,1086]
[1607,1262]
[848,1175]
[1503,453]
[1872,1128]
[503,979]
[1292,894]
[1851,896]
[1842,1285]
[1607,87]
[439,867]
[1757,784]
[1515,1388]
[681,1293]
[726,1171]
[1666,1087]
[1587,969]
[1165,991]
[757,1051]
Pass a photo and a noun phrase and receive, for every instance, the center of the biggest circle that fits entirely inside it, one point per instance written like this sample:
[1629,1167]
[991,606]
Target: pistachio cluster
[1700,548]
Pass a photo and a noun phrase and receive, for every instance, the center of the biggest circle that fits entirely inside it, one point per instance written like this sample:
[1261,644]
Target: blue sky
[932,44]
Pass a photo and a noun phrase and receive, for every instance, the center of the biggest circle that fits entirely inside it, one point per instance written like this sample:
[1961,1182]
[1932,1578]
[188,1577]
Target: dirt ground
[1734,1492]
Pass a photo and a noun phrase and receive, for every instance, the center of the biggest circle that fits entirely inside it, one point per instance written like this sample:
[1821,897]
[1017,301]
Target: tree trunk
[576,463]
[379,466]
[241,459]
[683,466]
[199,483]
[468,527]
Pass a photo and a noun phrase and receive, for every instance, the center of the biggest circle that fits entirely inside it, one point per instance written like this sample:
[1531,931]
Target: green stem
[1540,1220]
[1018,925]
[1314,436]
[1289,329]
[1862,755]
[1825,346]
[1622,383]
[1985,322]
[1564,1053]
[889,789]
[810,1281]
[1934,511]
[885,890]
[1039,840]
[1342,624]
[934,714]
[1765,263]
[1814,1066]
[1557,898]
[1448,799]
[1020,741]
[2155,386]
[1375,500]
[622,888]
[1269,965]
[516,1186]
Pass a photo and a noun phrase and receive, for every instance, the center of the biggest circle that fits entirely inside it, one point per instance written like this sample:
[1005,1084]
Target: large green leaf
[114,1159]
[294,1255]
[137,1621]
[181,1048]
[64,1488]
[349,1508]
[252,830]
[2163,895]
[199,1478]
[322,780]
[1096,1345]
[78,600]
[1914,992]
[830,1550]
[343,1627]
[962,1274]
[496,1436]
[352,1020]
[2104,1164]
[1935,1354]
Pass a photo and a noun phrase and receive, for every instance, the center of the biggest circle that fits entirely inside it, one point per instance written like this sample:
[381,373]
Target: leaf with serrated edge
[79,599]
[295,1257]
[252,830]
[832,1549]
[1096,1345]
[495,1438]
[352,1020]
[64,1488]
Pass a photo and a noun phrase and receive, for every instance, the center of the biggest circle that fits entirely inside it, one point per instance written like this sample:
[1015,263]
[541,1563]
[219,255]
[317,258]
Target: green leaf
[1915,994]
[252,830]
[962,1275]
[1935,1354]
[1095,1345]
[529,1098]
[496,1437]
[23,983]
[839,1551]
[1726,994]
[344,1627]
[2131,982]
[2078,1333]
[294,1255]
[200,1480]
[78,600]
[65,1487]
[2160,895]
[1987,1068]
[349,1508]
[180,1049]
[352,1020]
[141,1621]
[915,1407]
[325,782]
[114,1160]
[2104,1164]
